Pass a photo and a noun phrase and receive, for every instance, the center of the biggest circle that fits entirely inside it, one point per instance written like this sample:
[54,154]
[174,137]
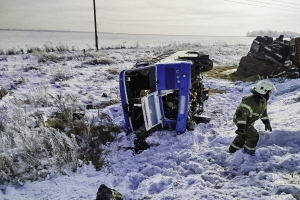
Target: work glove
[268,127]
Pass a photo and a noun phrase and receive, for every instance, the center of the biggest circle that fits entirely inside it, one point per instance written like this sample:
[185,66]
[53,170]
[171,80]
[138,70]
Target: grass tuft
[99,61]
[3,92]
[49,47]
[2,52]
[12,51]
[93,136]
[62,48]
[43,57]
[215,91]
[113,71]
[34,50]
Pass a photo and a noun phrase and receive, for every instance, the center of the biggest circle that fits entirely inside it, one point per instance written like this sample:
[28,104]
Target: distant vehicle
[165,92]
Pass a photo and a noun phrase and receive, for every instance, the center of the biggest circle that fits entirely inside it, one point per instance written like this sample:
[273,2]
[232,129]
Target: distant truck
[165,92]
[271,58]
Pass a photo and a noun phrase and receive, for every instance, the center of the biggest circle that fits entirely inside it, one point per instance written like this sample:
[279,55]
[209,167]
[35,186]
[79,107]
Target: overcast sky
[179,17]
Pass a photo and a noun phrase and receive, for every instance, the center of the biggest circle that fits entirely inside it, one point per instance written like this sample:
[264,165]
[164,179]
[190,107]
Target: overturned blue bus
[167,93]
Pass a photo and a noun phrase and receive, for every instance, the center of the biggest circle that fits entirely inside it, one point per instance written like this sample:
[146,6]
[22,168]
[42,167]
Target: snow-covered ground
[194,165]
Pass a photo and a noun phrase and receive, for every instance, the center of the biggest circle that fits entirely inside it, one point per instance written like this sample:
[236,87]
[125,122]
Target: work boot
[248,151]
[232,149]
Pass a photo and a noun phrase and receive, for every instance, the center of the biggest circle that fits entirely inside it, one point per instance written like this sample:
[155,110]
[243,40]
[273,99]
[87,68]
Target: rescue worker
[252,108]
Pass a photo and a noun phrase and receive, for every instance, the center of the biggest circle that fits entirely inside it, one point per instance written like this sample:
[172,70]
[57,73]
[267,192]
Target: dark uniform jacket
[251,108]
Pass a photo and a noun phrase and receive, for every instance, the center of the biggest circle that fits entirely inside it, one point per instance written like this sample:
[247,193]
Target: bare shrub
[63,148]
[74,48]
[27,149]
[65,106]
[34,50]
[31,152]
[79,127]
[118,46]
[38,96]
[100,61]
[43,57]
[65,101]
[62,48]
[16,115]
[93,136]
[113,71]
[37,119]
[2,52]
[7,168]
[2,127]
[59,73]
[297,99]
[59,76]
[60,120]
[12,51]
[49,47]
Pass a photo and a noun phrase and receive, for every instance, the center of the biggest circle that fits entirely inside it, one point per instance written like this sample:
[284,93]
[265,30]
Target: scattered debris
[106,193]
[272,58]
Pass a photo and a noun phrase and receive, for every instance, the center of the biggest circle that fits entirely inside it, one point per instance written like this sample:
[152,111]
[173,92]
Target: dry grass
[93,136]
[113,71]
[44,56]
[3,92]
[59,121]
[215,91]
[99,61]
[228,73]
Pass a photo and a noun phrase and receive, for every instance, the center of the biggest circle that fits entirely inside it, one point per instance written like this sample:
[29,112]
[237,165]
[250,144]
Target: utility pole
[95,22]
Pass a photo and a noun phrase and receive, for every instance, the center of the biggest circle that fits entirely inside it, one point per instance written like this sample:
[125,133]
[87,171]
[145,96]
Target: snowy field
[194,165]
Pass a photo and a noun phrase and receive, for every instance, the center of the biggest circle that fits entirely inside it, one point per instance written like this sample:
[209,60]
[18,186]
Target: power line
[286,2]
[261,6]
[274,4]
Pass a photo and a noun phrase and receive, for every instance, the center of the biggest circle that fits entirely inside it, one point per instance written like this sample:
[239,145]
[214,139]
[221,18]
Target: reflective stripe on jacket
[251,108]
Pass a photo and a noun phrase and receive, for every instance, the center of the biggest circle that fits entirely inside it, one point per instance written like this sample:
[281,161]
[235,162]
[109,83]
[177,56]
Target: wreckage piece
[295,51]
[162,94]
[274,52]
[200,61]
[250,66]
[271,58]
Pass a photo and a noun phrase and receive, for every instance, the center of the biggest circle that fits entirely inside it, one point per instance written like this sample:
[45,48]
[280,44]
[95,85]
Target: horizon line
[44,30]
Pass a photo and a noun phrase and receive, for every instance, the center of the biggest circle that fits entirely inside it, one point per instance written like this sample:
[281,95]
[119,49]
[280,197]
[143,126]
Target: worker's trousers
[248,140]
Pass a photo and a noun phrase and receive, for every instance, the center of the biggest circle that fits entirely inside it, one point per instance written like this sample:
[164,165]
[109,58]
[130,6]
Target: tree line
[271,33]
